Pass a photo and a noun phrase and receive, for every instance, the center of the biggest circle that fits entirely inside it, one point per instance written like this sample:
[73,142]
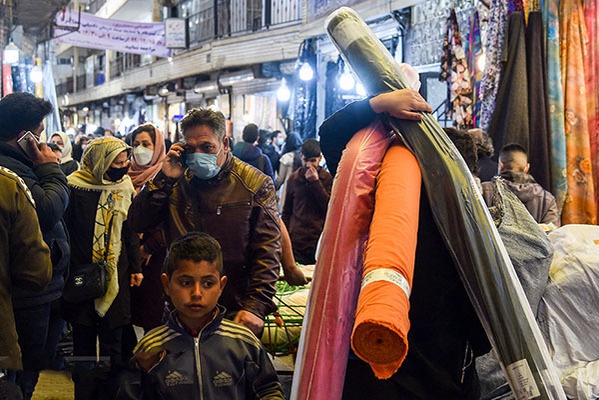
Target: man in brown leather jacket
[202,187]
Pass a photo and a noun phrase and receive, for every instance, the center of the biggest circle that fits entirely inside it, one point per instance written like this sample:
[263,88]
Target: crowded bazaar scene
[299,199]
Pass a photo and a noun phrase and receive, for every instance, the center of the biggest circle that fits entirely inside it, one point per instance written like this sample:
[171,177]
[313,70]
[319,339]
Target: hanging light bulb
[306,73]
[11,53]
[346,80]
[283,94]
[36,74]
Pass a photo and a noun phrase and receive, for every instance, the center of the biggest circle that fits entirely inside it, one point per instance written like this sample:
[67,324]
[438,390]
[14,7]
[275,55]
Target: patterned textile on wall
[579,205]
[591,12]
[474,52]
[454,70]
[559,183]
[494,43]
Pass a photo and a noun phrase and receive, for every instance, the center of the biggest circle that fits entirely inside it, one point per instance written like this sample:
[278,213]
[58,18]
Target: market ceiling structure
[36,16]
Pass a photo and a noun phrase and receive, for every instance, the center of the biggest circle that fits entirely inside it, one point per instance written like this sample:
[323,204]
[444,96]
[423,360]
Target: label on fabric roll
[522,379]
[389,275]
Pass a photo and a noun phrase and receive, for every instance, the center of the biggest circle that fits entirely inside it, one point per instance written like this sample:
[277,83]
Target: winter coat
[225,361]
[238,208]
[539,202]
[24,259]
[252,155]
[50,190]
[80,219]
[304,211]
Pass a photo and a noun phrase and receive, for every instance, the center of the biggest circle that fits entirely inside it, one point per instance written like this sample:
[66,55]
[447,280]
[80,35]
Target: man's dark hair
[465,144]
[250,133]
[310,148]
[143,128]
[194,246]
[215,120]
[21,112]
[263,136]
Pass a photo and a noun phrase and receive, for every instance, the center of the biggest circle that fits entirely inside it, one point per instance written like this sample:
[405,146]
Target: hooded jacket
[225,361]
[48,185]
[539,202]
[253,155]
[238,208]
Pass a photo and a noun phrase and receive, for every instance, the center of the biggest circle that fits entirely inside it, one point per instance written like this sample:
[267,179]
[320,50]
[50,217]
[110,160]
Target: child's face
[194,289]
[311,162]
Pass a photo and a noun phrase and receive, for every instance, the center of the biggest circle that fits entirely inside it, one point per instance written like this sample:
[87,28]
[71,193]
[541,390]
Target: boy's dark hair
[513,157]
[143,128]
[194,246]
[311,148]
[215,120]
[21,112]
[250,133]
[465,144]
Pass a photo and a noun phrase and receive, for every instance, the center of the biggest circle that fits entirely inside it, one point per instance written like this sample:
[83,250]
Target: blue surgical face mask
[203,165]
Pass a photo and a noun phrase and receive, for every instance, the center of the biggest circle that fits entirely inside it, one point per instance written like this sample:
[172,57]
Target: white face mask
[143,155]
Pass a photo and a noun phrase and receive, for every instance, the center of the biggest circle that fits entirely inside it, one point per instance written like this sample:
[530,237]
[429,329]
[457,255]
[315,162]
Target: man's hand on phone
[40,153]
[172,165]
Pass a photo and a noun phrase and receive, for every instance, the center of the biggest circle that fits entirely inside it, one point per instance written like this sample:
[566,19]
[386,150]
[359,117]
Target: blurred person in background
[67,164]
[248,152]
[288,163]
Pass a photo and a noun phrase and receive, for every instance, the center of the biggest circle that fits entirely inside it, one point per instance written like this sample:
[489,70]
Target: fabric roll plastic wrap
[324,343]
[380,335]
[462,218]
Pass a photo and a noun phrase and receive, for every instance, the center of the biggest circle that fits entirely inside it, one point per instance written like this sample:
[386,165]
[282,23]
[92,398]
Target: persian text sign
[110,34]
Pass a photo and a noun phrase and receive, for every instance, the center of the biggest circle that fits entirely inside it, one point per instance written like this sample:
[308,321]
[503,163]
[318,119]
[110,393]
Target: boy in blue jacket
[197,354]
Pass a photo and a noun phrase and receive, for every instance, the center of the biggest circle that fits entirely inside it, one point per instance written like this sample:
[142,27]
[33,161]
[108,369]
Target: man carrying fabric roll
[445,334]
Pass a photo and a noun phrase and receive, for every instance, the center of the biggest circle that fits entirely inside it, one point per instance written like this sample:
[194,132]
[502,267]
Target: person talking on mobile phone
[38,322]
[214,192]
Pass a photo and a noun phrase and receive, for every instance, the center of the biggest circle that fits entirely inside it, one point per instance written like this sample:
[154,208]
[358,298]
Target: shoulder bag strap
[107,237]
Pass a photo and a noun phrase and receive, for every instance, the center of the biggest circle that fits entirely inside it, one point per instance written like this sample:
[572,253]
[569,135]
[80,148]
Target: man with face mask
[203,187]
[38,326]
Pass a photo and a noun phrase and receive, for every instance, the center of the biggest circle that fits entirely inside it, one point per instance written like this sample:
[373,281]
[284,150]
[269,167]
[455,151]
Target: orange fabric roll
[380,334]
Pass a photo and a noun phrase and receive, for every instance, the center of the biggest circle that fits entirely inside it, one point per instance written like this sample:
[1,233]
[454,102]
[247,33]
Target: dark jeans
[92,378]
[39,331]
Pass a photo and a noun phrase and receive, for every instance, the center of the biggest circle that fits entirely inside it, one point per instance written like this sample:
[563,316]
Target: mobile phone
[22,142]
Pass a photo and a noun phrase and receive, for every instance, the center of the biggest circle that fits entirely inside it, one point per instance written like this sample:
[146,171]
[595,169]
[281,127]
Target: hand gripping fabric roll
[462,218]
[325,339]
[380,335]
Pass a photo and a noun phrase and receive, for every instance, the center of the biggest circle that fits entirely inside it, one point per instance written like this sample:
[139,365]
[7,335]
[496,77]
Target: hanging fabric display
[462,218]
[509,123]
[579,205]
[591,12]
[557,143]
[454,71]
[494,42]
[475,55]
[538,108]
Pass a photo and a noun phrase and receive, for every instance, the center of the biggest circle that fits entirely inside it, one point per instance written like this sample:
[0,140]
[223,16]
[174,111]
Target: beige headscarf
[113,205]
[67,147]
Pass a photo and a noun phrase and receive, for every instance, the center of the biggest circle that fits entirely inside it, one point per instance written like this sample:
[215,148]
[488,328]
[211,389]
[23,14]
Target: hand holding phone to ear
[39,153]
[173,165]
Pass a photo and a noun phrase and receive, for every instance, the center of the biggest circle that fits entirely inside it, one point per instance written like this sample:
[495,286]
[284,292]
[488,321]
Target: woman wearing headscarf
[101,192]
[67,164]
[147,301]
